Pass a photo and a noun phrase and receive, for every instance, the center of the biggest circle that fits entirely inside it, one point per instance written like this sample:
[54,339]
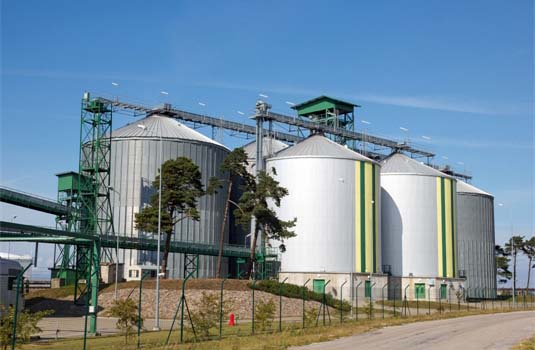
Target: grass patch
[235,338]
[526,344]
[51,293]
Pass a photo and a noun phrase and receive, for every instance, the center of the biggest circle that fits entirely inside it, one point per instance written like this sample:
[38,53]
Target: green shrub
[126,312]
[311,315]
[264,314]
[26,325]
[207,315]
[296,292]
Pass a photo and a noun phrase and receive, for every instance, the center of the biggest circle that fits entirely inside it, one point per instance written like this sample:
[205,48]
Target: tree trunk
[252,256]
[166,253]
[529,274]
[221,239]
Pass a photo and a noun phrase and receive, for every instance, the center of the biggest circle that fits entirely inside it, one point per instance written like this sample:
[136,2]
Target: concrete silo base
[434,288]
[354,290]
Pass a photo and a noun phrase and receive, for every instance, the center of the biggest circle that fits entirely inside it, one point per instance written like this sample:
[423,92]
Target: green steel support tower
[94,213]
[65,266]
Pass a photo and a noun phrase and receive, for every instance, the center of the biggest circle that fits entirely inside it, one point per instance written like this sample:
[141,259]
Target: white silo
[135,158]
[334,194]
[475,227]
[418,219]
[270,147]
[419,230]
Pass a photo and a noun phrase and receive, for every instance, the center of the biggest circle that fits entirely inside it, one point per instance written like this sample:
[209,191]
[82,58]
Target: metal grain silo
[475,232]
[135,160]
[418,219]
[270,147]
[334,194]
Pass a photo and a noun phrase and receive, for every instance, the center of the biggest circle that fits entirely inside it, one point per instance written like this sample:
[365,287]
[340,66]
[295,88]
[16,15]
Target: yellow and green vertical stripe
[446,235]
[366,217]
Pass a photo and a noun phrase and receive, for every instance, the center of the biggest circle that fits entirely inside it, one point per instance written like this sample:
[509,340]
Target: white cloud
[440,103]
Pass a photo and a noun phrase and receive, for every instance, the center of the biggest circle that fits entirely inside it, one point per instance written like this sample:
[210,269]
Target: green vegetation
[207,315]
[235,164]
[526,344]
[181,189]
[26,325]
[50,293]
[296,292]
[236,338]
[264,315]
[127,316]
[258,191]
[311,315]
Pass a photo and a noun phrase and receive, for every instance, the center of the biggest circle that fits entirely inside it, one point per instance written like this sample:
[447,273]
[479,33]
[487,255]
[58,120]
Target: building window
[11,282]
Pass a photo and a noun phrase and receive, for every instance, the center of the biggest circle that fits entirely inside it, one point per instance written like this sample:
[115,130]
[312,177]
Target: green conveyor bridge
[30,201]
[28,233]
[10,231]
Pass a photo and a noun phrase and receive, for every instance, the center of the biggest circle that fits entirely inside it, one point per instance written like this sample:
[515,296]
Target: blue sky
[460,72]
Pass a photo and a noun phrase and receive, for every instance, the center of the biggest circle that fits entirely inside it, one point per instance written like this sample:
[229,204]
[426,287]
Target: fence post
[429,299]
[280,303]
[466,294]
[449,297]
[383,297]
[406,303]
[325,301]
[19,278]
[371,299]
[440,301]
[303,292]
[418,303]
[221,308]
[341,302]
[139,308]
[395,292]
[357,300]
[252,316]
[87,281]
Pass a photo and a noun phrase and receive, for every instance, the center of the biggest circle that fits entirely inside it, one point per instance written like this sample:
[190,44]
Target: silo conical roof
[463,187]
[321,147]
[155,125]
[399,163]
[269,145]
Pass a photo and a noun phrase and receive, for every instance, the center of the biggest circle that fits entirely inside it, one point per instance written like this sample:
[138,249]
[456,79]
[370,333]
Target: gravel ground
[240,300]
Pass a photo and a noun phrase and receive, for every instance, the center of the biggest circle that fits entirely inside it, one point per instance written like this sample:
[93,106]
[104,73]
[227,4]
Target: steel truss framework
[295,133]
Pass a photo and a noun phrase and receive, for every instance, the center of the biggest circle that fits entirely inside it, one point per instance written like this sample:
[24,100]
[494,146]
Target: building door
[318,285]
[419,289]
[443,291]
[367,289]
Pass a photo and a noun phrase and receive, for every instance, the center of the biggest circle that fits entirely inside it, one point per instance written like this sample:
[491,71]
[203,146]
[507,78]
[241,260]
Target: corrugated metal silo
[334,193]
[475,227]
[270,147]
[135,160]
[418,219]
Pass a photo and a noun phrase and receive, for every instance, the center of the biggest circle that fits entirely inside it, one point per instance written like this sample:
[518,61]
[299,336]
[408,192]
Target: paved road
[74,326]
[498,331]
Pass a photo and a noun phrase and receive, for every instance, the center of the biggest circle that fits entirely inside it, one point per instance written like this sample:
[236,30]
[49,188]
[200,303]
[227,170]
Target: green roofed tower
[328,111]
